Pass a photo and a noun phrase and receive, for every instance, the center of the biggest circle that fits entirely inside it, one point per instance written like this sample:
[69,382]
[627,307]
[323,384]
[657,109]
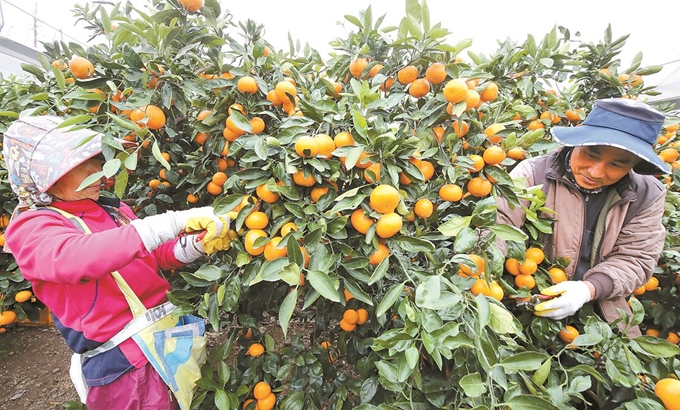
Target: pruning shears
[530,302]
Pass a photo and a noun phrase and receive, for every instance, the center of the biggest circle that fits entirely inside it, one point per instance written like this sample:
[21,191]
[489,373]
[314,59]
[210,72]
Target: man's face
[598,166]
[65,187]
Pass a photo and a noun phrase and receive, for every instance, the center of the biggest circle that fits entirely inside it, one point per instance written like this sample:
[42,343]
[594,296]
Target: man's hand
[215,227]
[570,296]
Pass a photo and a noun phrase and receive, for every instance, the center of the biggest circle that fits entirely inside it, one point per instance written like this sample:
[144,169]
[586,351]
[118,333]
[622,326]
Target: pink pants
[138,389]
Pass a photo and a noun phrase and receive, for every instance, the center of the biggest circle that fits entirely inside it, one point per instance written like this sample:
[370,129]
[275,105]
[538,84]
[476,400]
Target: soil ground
[34,365]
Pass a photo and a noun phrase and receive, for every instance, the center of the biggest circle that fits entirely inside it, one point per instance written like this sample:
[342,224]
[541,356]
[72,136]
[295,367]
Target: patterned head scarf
[37,153]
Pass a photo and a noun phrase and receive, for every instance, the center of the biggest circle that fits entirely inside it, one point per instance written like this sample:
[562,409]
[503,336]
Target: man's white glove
[158,229]
[570,297]
[189,248]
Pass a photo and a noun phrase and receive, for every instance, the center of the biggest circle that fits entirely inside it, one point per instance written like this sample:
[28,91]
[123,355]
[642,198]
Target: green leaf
[410,244]
[323,284]
[502,321]
[389,299]
[454,225]
[156,151]
[509,233]
[379,271]
[472,384]
[541,375]
[655,347]
[286,310]
[527,402]
[210,273]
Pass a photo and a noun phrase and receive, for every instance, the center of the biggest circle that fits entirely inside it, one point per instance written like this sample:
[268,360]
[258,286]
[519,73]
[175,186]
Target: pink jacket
[70,273]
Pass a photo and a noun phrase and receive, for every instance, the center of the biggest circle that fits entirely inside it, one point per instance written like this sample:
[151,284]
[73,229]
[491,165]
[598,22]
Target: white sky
[650,23]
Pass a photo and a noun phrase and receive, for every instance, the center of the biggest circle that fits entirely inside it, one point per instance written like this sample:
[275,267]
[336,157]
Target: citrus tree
[362,195]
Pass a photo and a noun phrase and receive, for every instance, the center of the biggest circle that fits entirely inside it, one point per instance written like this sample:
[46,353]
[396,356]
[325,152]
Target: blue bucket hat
[622,123]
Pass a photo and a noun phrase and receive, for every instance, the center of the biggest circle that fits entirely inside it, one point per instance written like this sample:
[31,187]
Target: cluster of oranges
[351,318]
[264,398]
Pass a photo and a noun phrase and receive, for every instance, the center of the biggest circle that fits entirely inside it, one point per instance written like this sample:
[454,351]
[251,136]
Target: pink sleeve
[165,254]
[50,248]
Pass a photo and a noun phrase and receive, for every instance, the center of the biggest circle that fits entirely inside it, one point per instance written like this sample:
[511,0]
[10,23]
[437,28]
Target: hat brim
[585,135]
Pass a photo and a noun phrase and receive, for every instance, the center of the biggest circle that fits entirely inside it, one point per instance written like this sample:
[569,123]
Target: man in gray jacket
[608,207]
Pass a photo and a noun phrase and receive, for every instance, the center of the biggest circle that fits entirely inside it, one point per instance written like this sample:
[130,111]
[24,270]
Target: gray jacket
[629,235]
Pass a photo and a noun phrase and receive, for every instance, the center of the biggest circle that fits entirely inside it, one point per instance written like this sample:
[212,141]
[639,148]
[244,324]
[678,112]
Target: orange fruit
[668,155]
[480,286]
[7,317]
[191,6]
[192,199]
[427,169]
[282,89]
[639,291]
[490,92]
[673,337]
[261,389]
[516,153]
[288,227]
[572,115]
[272,251]
[419,88]
[438,133]
[479,262]
[271,97]
[374,175]
[257,125]
[496,291]
[343,139]
[451,193]
[668,390]
[148,116]
[219,178]
[266,194]
[472,100]
[535,254]
[479,187]
[528,267]
[553,118]
[375,258]
[512,266]
[384,199]
[250,238]
[23,296]
[423,208]
[306,146]
[347,327]
[257,220]
[557,275]
[300,179]
[535,125]
[407,75]
[652,332]
[356,67]
[363,316]
[494,155]
[388,225]
[387,84]
[81,67]
[154,183]
[525,280]
[201,138]
[375,70]
[350,316]
[477,162]
[652,284]
[360,221]
[492,130]
[213,188]
[317,193]
[247,85]
[267,403]
[436,73]
[325,145]
[255,350]
[568,334]
[460,128]
[455,91]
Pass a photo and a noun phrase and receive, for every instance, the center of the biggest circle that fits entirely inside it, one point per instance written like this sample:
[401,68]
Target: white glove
[571,296]
[158,229]
[189,248]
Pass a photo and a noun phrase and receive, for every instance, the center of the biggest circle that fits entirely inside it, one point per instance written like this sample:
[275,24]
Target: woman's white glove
[158,229]
[570,297]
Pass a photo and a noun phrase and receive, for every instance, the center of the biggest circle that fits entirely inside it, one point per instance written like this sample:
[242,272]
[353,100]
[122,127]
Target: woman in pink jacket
[608,206]
[71,271]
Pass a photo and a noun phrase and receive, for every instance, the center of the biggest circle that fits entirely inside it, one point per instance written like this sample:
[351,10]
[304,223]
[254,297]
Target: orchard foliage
[411,307]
